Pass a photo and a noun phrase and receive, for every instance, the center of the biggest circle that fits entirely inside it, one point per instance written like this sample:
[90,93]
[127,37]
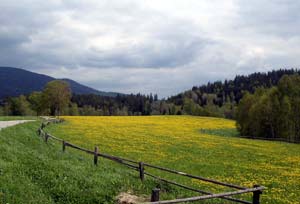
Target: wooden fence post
[96,156]
[64,146]
[155,195]
[46,137]
[141,169]
[256,195]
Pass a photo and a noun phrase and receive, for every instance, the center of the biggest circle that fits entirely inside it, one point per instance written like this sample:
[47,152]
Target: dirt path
[4,124]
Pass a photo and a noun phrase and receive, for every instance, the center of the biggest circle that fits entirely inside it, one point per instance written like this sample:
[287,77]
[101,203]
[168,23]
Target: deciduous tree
[57,95]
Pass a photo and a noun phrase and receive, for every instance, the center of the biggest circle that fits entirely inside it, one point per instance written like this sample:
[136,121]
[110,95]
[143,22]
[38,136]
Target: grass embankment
[194,145]
[34,172]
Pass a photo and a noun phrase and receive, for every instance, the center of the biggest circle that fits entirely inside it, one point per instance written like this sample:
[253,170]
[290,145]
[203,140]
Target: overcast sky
[158,46]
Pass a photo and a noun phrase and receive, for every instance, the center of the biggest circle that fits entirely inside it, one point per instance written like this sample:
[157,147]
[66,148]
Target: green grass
[34,172]
[7,118]
[227,132]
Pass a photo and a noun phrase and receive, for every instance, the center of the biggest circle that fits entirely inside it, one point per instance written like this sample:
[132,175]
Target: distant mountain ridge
[16,81]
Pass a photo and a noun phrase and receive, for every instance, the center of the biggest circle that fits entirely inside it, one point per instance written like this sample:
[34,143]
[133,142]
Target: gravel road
[4,124]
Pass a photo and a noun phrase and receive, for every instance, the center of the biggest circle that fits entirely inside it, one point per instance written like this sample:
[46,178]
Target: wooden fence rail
[140,167]
[195,190]
[194,177]
[206,197]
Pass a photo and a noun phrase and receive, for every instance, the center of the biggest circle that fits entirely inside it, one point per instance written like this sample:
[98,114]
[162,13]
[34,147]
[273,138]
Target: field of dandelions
[198,145]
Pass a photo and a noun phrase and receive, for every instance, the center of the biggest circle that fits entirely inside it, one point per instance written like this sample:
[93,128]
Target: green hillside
[33,172]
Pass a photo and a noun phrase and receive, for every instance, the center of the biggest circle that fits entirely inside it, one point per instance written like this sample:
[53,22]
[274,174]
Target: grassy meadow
[32,172]
[199,145]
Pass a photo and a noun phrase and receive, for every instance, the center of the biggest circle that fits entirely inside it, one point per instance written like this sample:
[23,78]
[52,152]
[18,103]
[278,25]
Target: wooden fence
[140,167]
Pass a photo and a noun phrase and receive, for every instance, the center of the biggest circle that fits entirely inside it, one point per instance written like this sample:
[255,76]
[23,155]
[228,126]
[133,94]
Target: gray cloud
[149,46]
[279,17]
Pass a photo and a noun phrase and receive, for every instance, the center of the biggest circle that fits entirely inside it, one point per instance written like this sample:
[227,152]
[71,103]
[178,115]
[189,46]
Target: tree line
[220,99]
[57,99]
[53,100]
[272,113]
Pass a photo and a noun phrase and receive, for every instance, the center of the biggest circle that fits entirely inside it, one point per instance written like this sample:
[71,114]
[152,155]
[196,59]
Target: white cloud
[152,45]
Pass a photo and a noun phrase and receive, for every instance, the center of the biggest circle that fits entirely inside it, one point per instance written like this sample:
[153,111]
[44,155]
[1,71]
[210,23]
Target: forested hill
[218,99]
[15,81]
[231,91]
